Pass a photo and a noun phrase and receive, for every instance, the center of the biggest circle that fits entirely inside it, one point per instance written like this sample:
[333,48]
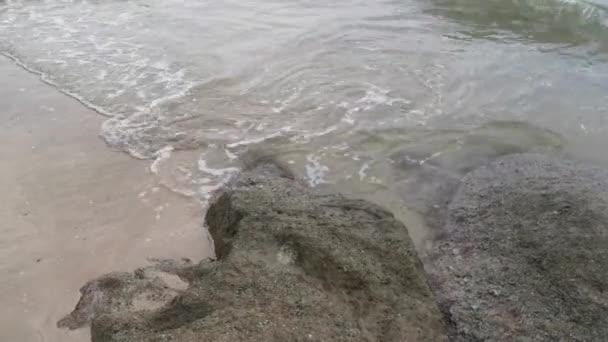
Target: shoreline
[74,209]
[42,78]
[296,263]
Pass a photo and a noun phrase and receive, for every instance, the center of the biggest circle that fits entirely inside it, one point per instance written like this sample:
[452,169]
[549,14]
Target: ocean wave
[570,22]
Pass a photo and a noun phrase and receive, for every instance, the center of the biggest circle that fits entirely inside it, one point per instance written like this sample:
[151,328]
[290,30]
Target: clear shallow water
[364,96]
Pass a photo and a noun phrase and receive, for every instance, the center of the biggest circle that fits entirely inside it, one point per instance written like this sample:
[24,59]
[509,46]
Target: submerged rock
[523,255]
[293,265]
[434,166]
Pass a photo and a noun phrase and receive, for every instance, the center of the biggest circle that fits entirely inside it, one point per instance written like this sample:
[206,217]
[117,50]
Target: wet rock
[122,292]
[293,265]
[434,166]
[530,235]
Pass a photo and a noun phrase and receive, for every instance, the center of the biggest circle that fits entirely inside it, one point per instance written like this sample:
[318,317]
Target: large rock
[524,253]
[293,265]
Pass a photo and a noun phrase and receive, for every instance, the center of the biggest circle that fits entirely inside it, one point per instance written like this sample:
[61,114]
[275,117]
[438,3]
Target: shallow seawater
[382,100]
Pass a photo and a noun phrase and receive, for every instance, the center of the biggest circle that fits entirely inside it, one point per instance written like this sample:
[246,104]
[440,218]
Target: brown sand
[72,209]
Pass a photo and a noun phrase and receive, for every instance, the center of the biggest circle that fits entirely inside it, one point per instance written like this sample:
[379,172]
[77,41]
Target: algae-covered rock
[293,265]
[524,253]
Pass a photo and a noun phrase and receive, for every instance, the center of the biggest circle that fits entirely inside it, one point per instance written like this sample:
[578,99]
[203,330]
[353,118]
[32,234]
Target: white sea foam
[244,142]
[230,155]
[362,171]
[161,155]
[221,172]
[219,176]
[375,96]
[315,171]
[326,131]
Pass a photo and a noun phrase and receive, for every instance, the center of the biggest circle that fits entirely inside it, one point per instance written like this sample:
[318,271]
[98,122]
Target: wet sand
[73,209]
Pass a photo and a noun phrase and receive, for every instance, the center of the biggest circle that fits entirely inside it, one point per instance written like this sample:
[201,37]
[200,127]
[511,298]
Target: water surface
[379,99]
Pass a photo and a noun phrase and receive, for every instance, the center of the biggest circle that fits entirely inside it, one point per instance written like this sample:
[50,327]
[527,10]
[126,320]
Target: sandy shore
[73,209]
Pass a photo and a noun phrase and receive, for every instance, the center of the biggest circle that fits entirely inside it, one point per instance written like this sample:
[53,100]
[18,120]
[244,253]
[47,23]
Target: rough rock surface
[524,253]
[293,265]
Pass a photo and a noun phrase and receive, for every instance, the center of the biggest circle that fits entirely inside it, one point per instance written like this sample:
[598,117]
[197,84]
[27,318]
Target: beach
[73,209]
[121,120]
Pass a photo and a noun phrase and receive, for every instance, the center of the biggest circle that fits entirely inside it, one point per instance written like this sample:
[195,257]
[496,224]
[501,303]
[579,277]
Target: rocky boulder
[292,265]
[523,255]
